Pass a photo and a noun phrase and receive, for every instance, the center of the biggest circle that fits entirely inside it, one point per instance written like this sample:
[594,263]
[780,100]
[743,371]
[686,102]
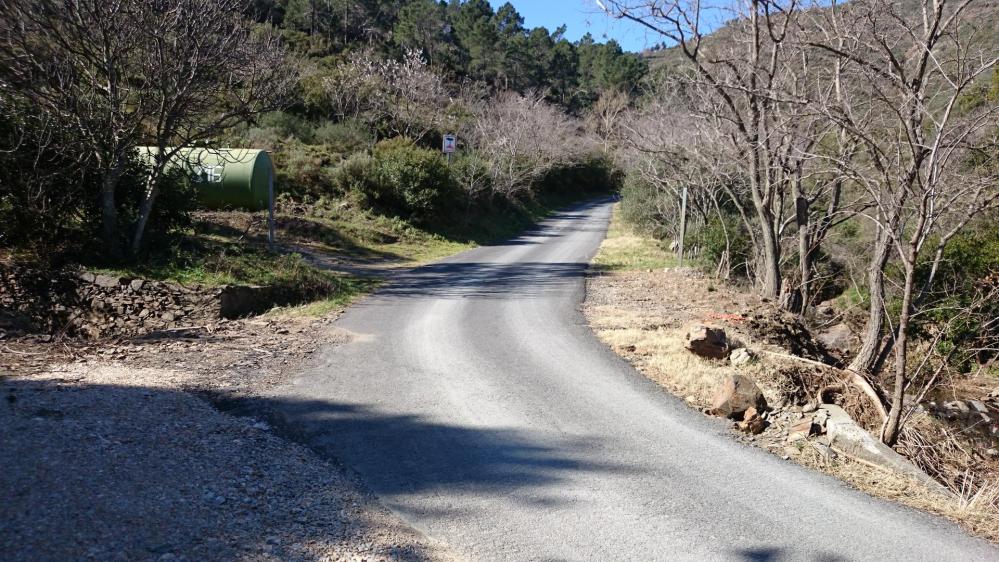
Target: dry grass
[624,249]
[978,511]
[642,316]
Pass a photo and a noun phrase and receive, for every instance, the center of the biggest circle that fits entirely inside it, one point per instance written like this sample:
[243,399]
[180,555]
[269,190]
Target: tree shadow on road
[407,454]
[482,280]
[111,472]
[138,473]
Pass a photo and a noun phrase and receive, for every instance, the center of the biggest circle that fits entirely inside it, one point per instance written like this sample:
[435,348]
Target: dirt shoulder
[117,451]
[642,312]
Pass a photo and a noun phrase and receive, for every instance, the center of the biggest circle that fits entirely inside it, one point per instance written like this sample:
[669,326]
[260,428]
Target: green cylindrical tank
[226,178]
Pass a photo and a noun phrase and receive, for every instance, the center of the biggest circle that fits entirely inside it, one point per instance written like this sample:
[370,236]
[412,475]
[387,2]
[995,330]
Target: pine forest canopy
[465,40]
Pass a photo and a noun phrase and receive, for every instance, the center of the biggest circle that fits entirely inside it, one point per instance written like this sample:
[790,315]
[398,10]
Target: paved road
[476,403]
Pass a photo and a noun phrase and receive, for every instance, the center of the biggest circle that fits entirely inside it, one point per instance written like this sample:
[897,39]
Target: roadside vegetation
[643,313]
[843,184]
[625,248]
[351,99]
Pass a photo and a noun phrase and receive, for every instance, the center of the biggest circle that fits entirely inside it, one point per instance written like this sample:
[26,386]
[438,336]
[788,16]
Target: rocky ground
[647,315]
[116,450]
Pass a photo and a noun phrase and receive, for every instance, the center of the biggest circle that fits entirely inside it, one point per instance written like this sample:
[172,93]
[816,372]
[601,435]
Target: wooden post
[270,210]
[683,223]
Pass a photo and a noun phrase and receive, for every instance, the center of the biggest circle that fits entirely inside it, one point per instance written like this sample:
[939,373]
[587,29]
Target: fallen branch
[852,377]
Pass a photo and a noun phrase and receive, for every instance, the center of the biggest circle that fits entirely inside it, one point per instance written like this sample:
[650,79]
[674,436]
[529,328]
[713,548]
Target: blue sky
[581,17]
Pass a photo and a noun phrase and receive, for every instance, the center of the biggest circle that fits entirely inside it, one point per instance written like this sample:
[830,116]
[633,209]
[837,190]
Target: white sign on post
[450,144]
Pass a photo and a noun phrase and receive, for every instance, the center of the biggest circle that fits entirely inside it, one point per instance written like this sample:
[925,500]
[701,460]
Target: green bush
[721,234]
[412,182]
[639,206]
[305,171]
[471,173]
[591,174]
[969,269]
[288,126]
[347,137]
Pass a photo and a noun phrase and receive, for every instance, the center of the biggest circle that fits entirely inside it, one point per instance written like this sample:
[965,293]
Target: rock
[167,317]
[819,421]
[737,394]
[752,422]
[741,356]
[839,336]
[825,451]
[707,341]
[825,309]
[802,429]
[845,436]
[137,284]
[107,281]
[978,407]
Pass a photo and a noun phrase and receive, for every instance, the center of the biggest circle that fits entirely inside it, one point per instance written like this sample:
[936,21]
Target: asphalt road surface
[476,403]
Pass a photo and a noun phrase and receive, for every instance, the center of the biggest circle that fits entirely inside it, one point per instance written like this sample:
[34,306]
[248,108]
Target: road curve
[475,402]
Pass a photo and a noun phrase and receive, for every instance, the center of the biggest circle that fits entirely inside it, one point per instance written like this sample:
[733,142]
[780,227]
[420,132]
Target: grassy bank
[627,250]
[321,249]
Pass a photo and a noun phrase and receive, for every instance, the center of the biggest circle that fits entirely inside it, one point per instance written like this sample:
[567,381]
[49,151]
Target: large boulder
[839,337]
[707,341]
[846,436]
[737,394]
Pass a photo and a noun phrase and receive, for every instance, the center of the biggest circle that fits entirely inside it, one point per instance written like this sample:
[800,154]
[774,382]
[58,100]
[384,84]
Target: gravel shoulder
[118,451]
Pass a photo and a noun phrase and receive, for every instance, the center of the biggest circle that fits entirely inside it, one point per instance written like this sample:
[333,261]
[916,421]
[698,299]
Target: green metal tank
[226,178]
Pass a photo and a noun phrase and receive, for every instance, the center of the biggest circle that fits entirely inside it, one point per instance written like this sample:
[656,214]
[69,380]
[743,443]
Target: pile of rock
[978,418]
[739,398]
[119,306]
[99,306]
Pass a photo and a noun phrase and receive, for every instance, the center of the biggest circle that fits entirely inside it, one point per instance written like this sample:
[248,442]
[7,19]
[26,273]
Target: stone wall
[99,306]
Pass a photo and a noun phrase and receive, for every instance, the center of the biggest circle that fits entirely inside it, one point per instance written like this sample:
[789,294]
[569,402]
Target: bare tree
[123,72]
[207,72]
[407,97]
[521,138]
[602,119]
[904,75]
[745,75]
[80,62]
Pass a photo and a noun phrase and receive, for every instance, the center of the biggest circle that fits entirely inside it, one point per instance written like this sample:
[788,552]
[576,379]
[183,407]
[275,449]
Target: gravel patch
[114,457]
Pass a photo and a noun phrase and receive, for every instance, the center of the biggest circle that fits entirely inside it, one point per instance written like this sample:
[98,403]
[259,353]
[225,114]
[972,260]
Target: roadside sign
[450,144]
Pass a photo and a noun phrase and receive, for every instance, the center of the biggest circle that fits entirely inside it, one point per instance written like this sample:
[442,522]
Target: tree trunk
[109,213]
[804,252]
[892,427]
[870,345]
[145,210]
[771,264]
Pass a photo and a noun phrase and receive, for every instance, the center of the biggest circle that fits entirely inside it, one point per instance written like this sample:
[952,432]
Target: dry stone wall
[93,305]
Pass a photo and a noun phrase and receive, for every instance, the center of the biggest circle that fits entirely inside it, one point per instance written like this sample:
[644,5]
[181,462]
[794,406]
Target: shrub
[355,178]
[721,234]
[411,181]
[639,205]
[471,173]
[962,300]
[345,138]
[288,126]
[304,171]
[590,174]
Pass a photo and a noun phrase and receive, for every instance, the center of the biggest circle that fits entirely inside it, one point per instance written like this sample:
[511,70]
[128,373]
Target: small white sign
[450,144]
